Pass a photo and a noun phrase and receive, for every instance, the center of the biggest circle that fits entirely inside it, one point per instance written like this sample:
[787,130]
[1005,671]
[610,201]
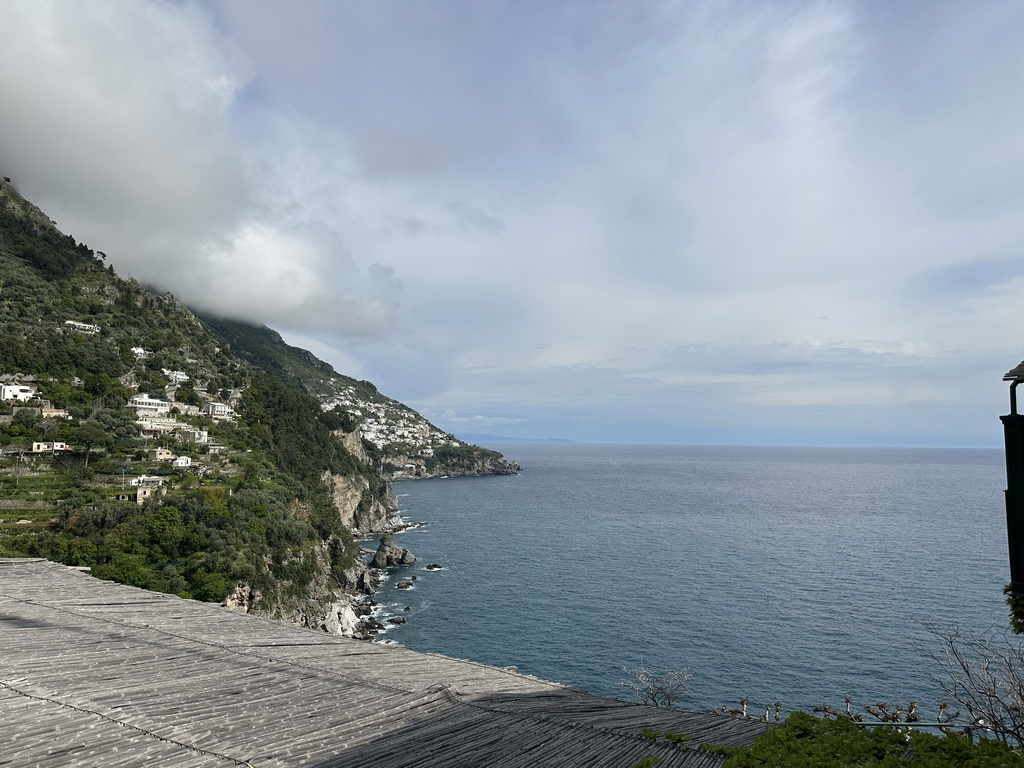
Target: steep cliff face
[364,507]
[365,501]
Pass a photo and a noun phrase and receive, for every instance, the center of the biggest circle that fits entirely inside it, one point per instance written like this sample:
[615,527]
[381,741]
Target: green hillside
[80,478]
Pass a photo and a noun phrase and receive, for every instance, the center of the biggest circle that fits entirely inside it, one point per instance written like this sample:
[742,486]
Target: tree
[88,436]
[18,469]
[186,394]
[25,418]
[662,688]
[985,676]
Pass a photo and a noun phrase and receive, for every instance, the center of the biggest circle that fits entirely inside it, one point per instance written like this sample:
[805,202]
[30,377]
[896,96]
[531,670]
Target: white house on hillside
[87,328]
[17,392]
[193,435]
[145,486]
[217,410]
[175,377]
[149,406]
[50,447]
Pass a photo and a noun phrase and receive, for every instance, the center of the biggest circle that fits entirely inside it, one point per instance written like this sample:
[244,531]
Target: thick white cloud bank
[719,222]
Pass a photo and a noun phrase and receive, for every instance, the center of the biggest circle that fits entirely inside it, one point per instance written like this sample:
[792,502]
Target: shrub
[804,740]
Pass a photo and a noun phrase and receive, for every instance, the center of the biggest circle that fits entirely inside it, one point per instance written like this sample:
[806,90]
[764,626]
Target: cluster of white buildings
[153,408]
[384,423]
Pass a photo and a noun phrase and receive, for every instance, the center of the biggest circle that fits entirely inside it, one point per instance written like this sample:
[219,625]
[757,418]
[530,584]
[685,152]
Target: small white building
[192,435]
[182,462]
[50,447]
[54,413]
[175,377]
[217,410]
[140,353]
[19,392]
[145,486]
[145,405]
[86,328]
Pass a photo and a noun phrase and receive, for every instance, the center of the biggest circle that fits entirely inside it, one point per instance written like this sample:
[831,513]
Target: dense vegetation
[54,255]
[265,349]
[256,510]
[804,740]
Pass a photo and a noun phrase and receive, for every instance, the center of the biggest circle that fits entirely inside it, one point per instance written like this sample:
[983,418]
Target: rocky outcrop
[406,466]
[364,507]
[242,599]
[388,554]
[342,620]
[338,606]
[353,443]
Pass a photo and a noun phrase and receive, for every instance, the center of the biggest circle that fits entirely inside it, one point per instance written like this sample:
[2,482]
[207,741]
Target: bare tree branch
[660,688]
[985,675]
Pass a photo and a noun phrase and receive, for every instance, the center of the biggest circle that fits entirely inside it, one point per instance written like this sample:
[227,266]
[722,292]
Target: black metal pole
[1013,429]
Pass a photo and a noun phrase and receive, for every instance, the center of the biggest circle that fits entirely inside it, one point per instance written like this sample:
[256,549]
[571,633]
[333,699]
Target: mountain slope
[407,444]
[138,443]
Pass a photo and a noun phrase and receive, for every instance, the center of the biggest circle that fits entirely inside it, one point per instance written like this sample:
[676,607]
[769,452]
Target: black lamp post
[1013,430]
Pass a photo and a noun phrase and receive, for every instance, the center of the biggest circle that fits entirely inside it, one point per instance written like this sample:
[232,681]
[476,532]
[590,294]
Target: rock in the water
[389,555]
[396,620]
[434,567]
[404,585]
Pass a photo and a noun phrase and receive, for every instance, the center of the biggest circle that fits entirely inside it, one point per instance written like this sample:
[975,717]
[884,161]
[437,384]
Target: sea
[793,575]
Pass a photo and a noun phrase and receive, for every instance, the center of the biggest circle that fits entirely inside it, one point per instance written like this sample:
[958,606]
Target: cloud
[714,220]
[121,121]
[121,112]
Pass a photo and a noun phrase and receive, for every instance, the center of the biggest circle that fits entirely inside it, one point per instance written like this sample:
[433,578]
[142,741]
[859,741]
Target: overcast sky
[600,220]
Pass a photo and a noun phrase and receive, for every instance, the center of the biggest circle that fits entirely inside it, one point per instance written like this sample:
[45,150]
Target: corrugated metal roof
[96,673]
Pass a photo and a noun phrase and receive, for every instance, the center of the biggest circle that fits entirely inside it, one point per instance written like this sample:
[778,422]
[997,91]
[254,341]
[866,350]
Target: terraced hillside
[135,442]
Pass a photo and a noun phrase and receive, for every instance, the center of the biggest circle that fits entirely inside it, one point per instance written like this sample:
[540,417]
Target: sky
[771,223]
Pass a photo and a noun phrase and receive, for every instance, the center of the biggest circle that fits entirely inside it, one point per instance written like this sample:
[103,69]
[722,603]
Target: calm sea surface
[793,574]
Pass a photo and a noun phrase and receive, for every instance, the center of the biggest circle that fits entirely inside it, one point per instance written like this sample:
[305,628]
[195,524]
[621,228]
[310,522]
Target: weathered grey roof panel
[96,673]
